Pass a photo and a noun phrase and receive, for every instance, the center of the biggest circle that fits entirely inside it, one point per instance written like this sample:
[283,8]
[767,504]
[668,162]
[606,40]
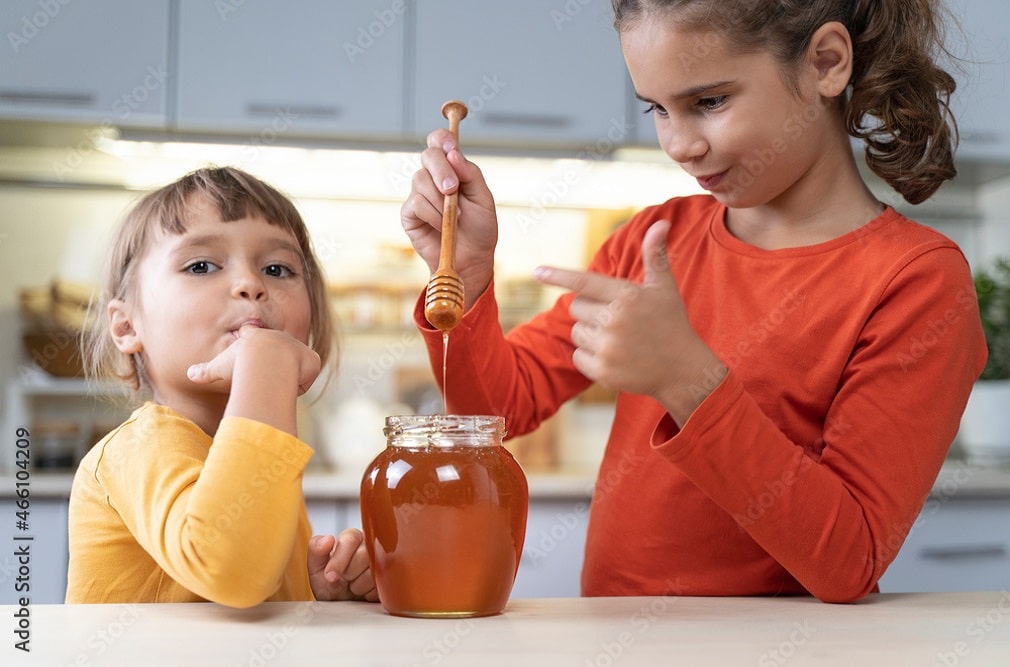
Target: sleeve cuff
[675,443]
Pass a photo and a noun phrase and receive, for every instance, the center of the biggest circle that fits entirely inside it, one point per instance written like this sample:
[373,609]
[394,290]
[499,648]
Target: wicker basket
[53,317]
[55,351]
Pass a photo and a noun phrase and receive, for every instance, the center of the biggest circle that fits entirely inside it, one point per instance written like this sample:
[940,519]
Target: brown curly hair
[898,100]
[236,195]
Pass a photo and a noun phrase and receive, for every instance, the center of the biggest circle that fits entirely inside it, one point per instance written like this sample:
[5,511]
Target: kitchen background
[330,101]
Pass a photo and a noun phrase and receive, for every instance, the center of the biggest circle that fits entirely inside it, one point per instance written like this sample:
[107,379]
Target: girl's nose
[683,144]
[249,285]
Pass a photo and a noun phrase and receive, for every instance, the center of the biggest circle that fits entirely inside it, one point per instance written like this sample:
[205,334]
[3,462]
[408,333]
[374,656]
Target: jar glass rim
[444,430]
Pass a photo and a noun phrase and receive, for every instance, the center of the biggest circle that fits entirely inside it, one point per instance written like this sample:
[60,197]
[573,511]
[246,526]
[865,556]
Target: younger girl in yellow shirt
[215,305]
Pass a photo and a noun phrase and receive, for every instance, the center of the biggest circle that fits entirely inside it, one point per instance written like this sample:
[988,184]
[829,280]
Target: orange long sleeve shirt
[803,470]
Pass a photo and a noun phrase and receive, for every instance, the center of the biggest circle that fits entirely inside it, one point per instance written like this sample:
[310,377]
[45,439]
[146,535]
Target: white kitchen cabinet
[529,71]
[330,516]
[956,545]
[980,103]
[299,68]
[97,62]
[551,565]
[44,569]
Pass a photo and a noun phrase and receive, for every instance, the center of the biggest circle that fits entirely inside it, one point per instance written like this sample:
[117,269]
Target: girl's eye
[654,108]
[200,267]
[279,271]
[711,103]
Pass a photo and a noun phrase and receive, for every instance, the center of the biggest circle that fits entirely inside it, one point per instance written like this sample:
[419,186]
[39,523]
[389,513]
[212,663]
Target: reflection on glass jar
[443,509]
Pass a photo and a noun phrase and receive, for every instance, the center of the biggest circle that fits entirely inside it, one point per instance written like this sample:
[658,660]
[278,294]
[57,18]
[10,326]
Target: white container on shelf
[985,425]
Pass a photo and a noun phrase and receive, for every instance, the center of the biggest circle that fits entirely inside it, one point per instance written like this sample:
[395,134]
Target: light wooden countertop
[887,629]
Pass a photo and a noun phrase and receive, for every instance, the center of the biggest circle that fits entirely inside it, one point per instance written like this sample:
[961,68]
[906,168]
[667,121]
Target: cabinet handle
[296,110]
[79,99]
[525,119]
[979,137]
[996,551]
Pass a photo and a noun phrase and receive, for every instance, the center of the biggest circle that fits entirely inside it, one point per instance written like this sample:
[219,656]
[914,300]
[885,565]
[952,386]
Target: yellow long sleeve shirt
[162,512]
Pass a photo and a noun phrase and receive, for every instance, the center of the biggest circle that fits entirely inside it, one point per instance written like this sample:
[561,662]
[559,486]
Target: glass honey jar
[443,509]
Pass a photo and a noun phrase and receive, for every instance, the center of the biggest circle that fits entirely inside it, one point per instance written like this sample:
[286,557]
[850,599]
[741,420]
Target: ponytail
[900,99]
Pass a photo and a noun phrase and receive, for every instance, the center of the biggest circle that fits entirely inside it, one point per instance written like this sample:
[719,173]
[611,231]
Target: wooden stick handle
[454,111]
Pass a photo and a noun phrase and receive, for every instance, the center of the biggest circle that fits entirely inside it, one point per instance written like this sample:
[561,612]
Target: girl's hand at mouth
[264,349]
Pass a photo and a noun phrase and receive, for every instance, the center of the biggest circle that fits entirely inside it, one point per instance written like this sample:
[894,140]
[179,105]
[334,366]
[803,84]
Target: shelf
[36,383]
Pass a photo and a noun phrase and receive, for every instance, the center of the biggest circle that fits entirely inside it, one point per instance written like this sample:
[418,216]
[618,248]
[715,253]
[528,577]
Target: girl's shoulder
[151,431]
[900,240]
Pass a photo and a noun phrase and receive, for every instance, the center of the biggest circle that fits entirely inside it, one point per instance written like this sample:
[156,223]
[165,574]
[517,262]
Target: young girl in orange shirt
[791,355]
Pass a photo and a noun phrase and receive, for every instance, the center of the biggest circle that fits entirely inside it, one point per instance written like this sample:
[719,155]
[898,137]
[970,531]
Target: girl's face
[196,289]
[730,120]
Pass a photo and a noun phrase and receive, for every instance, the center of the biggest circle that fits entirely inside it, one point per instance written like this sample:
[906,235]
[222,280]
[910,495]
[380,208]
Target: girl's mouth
[259,324]
[711,182]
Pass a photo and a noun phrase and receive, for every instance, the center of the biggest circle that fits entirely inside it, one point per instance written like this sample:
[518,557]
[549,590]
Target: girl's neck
[204,411]
[829,202]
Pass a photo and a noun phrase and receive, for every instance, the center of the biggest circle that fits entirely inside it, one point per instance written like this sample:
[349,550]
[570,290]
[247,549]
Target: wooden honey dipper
[443,301]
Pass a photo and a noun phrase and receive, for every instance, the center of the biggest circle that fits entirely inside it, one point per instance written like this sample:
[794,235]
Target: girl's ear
[830,54]
[124,335]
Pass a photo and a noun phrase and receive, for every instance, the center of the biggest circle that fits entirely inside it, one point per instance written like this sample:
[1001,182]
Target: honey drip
[445,355]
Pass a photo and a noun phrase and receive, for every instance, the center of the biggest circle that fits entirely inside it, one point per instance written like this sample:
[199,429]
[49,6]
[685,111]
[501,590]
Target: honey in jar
[443,509]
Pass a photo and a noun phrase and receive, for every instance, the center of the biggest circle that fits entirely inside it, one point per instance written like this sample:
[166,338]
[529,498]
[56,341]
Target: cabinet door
[104,62]
[329,516]
[956,545]
[552,73]
[551,564]
[305,67]
[41,573]
[983,95]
